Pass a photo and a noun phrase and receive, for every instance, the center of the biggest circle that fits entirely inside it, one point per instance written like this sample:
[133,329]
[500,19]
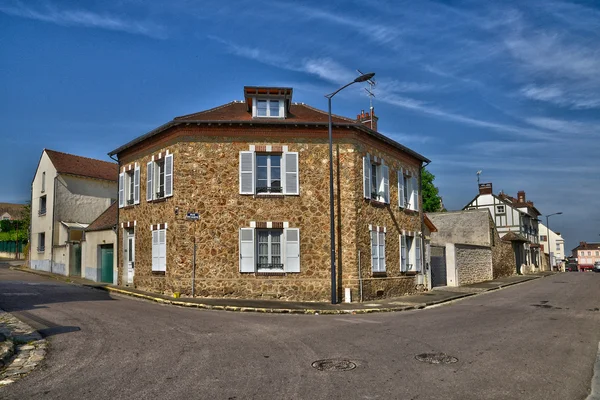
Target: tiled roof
[238,111]
[516,203]
[83,166]
[587,246]
[106,220]
[16,211]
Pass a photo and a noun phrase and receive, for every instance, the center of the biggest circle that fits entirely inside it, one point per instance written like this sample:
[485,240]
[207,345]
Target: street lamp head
[365,77]
[559,213]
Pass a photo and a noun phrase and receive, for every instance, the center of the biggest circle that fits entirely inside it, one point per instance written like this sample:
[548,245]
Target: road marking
[595,392]
[358,321]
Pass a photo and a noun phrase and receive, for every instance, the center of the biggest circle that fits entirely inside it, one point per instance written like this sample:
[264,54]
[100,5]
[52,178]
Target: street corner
[22,350]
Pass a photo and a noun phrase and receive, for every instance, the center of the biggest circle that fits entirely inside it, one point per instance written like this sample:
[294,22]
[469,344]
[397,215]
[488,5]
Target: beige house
[247,185]
[10,211]
[99,258]
[68,192]
[553,245]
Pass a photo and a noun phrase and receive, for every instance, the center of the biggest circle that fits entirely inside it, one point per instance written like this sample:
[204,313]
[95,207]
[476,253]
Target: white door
[130,256]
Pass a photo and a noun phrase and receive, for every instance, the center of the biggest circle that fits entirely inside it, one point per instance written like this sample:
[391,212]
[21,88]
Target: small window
[268,108]
[269,257]
[41,242]
[43,181]
[42,209]
[159,182]
[500,209]
[375,174]
[589,253]
[129,187]
[558,247]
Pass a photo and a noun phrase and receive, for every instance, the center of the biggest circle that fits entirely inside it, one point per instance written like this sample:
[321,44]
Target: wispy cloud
[565,126]
[84,18]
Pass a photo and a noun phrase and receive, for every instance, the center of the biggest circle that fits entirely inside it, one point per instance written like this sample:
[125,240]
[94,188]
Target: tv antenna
[478,174]
[371,93]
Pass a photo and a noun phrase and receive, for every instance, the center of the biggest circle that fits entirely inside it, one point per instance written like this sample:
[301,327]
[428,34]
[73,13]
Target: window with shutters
[411,254]
[159,178]
[376,184]
[377,250]
[129,186]
[159,250]
[269,250]
[269,173]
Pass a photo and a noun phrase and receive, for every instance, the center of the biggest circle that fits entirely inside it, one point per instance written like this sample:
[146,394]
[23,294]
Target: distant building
[552,244]
[516,220]
[68,192]
[11,212]
[587,254]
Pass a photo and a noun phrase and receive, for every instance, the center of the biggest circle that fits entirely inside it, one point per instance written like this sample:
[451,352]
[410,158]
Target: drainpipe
[422,218]
[118,217]
[53,221]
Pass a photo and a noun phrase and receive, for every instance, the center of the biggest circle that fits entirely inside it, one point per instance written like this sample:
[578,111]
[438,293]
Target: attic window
[268,108]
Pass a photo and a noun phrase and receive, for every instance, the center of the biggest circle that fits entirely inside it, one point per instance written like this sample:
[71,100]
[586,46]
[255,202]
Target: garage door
[438,266]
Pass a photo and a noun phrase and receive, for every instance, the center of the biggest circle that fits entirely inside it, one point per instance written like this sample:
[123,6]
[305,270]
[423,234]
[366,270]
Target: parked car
[596,267]
[571,267]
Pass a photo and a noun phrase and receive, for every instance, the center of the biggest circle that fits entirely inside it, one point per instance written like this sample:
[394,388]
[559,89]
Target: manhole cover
[334,364]
[436,358]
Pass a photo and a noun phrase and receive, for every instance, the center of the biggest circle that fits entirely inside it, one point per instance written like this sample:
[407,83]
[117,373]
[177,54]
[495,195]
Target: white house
[516,220]
[68,192]
[553,244]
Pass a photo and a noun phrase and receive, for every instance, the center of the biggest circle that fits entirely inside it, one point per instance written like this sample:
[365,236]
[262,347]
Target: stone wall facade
[473,264]
[206,181]
[503,258]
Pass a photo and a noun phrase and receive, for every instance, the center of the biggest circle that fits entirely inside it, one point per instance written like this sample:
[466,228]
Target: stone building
[247,184]
[470,247]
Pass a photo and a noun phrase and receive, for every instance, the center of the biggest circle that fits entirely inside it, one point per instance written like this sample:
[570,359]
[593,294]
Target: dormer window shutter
[415,185]
[136,184]
[246,172]
[169,175]
[401,188]
[290,162]
[121,189]
[149,181]
[367,176]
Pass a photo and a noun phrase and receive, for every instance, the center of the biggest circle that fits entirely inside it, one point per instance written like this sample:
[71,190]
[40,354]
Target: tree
[432,202]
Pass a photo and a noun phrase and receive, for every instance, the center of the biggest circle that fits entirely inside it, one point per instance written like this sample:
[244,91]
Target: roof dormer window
[269,108]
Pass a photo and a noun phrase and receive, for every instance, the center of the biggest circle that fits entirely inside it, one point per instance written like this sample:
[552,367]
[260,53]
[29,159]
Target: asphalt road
[537,340]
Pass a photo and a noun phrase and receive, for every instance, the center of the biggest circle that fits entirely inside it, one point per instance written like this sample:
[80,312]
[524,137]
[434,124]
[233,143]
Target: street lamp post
[548,237]
[362,78]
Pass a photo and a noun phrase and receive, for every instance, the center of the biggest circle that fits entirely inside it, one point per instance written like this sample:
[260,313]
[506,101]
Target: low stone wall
[473,264]
[378,288]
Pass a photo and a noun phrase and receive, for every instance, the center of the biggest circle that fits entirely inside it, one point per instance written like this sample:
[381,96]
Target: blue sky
[509,87]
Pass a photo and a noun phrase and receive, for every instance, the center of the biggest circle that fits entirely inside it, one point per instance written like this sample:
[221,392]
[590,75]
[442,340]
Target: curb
[7,349]
[26,349]
[264,310]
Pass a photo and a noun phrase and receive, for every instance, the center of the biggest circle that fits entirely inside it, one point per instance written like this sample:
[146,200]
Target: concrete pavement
[405,303]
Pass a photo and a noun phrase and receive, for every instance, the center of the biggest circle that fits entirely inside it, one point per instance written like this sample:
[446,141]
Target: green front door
[106,256]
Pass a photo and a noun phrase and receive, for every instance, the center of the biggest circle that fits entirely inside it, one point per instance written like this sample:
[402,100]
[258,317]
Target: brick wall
[206,181]
[473,264]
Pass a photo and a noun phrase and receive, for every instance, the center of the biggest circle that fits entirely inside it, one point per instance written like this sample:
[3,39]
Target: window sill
[377,203]
[128,206]
[270,273]
[379,274]
[411,273]
[271,195]
[158,273]
[159,200]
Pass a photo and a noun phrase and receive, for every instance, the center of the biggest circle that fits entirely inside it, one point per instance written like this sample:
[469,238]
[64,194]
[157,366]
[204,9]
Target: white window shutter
[374,252]
[367,176]
[246,172]
[382,251]
[136,185]
[401,188]
[292,250]
[149,181]
[385,172]
[121,189]
[415,195]
[402,253]
[418,253]
[290,163]
[162,246]
[155,251]
[247,248]
[169,175]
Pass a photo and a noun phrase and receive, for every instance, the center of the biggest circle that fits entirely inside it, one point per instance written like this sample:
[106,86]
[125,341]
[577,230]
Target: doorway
[106,263]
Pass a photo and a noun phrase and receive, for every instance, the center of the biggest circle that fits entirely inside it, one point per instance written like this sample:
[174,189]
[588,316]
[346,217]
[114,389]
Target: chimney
[368,119]
[521,196]
[485,188]
[582,244]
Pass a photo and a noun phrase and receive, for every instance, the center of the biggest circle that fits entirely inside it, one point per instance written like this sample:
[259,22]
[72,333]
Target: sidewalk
[412,302]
